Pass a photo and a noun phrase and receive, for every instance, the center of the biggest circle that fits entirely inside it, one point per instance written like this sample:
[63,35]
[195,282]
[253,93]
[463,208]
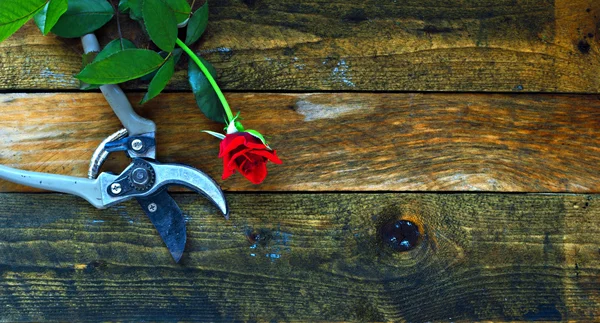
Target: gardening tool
[145,179]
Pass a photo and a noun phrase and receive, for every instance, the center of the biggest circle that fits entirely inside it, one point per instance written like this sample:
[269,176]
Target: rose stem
[211,80]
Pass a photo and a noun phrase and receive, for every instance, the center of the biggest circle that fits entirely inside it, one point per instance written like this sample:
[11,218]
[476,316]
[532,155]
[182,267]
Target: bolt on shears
[145,179]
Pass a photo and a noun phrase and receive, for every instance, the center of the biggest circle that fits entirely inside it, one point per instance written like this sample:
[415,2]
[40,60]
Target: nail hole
[401,235]
[96,264]
[260,237]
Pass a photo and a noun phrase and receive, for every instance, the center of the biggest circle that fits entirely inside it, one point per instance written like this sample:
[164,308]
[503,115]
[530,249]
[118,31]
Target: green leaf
[197,24]
[83,17]
[14,14]
[89,57]
[258,135]
[206,98]
[135,9]
[160,23]
[176,54]
[121,66]
[160,80]
[215,134]
[181,8]
[123,6]
[238,125]
[86,59]
[113,47]
[47,17]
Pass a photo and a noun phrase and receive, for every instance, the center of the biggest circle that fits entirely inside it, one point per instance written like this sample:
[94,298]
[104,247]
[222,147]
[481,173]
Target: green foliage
[123,6]
[135,8]
[214,134]
[197,24]
[160,80]
[121,66]
[111,48]
[160,23]
[83,17]
[49,15]
[176,54]
[181,8]
[114,46]
[258,135]
[206,98]
[120,60]
[86,59]
[14,14]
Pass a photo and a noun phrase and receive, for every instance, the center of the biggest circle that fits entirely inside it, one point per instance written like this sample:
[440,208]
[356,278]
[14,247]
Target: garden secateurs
[144,179]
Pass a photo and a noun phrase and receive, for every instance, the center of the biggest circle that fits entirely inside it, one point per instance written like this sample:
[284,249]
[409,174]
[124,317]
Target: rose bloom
[245,153]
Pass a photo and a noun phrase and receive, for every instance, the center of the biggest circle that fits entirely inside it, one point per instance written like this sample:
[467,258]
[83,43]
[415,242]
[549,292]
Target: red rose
[247,154]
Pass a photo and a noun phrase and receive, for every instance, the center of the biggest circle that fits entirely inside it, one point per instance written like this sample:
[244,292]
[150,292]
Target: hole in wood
[260,237]
[400,235]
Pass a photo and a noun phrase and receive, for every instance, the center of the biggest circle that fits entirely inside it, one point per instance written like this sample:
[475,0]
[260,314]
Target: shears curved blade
[145,179]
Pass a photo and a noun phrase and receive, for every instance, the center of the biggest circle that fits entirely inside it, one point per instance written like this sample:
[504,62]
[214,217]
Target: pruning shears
[145,179]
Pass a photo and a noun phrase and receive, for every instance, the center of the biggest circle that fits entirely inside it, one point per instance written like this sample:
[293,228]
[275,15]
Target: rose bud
[246,153]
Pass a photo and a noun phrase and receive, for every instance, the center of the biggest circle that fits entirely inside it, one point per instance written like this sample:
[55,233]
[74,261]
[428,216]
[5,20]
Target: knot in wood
[400,235]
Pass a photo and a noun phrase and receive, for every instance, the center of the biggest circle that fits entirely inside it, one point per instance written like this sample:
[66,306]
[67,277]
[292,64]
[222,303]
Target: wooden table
[478,120]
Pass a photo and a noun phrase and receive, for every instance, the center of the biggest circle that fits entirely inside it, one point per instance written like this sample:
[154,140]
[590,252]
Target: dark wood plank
[318,257]
[333,142]
[416,45]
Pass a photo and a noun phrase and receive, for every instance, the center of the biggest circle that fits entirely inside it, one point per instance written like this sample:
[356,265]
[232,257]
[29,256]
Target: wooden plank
[336,142]
[485,45]
[317,257]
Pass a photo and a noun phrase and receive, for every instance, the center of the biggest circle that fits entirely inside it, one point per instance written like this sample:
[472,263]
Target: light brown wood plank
[417,45]
[320,257]
[336,142]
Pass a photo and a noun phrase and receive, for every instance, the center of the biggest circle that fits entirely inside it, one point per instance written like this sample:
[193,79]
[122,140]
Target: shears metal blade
[145,179]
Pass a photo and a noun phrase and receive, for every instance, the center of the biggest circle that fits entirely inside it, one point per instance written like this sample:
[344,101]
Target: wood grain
[415,45]
[318,257]
[336,142]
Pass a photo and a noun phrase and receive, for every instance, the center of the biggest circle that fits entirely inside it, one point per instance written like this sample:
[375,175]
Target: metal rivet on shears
[137,145]
[115,188]
[140,176]
[145,179]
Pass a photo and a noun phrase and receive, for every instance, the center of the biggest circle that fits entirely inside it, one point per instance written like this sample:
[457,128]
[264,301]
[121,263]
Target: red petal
[227,173]
[253,142]
[256,174]
[235,140]
[269,154]
[246,153]
[231,142]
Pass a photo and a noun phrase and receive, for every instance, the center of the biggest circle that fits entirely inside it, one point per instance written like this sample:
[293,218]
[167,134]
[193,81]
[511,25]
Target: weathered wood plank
[417,45]
[318,257]
[331,142]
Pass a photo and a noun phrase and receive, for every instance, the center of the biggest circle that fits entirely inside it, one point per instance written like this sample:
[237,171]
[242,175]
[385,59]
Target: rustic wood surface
[416,45]
[304,257]
[306,245]
[336,142]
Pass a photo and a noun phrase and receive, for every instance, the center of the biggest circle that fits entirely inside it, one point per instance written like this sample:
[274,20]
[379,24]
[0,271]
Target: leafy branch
[120,60]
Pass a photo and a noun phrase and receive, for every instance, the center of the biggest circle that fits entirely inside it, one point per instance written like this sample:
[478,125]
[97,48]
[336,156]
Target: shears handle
[90,190]
[116,98]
